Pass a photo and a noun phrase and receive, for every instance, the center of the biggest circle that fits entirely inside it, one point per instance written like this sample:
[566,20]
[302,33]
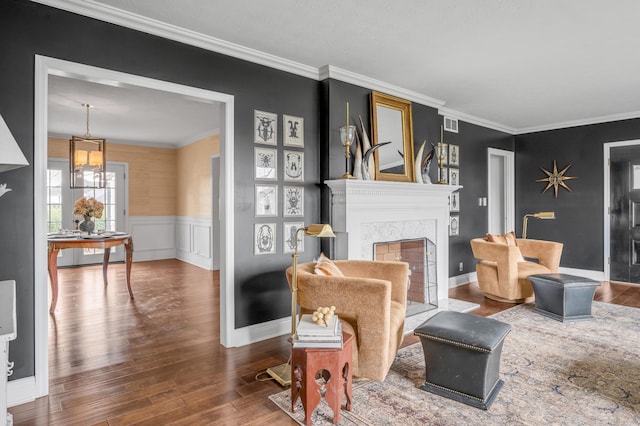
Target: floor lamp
[282,373]
[540,215]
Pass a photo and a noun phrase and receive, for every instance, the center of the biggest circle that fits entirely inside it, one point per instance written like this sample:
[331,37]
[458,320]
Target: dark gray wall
[580,213]
[27,29]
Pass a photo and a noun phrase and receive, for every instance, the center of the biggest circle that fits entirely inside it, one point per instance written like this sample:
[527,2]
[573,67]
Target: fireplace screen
[420,254]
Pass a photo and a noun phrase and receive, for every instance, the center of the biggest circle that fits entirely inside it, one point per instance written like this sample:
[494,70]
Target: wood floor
[158,360]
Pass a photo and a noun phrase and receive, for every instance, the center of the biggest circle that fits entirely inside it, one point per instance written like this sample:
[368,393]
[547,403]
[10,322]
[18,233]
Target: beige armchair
[502,273]
[370,301]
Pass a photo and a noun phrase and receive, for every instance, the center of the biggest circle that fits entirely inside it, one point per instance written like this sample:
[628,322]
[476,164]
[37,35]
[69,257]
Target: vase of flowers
[88,208]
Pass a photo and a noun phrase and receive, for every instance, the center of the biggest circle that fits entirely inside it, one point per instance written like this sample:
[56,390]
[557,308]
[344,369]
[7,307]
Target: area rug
[580,373]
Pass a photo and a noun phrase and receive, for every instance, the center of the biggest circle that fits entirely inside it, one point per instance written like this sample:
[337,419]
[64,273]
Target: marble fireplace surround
[368,212]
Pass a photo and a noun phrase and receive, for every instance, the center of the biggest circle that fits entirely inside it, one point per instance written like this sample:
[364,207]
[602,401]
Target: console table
[95,242]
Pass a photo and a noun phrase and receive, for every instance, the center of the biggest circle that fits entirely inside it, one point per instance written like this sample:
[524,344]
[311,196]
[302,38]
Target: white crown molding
[583,122]
[330,71]
[151,26]
[461,116]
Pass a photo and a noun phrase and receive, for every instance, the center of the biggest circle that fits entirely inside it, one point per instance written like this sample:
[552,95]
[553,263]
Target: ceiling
[513,65]
[128,114]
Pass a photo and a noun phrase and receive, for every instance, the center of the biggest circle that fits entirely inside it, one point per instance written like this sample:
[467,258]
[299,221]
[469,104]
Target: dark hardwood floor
[157,360]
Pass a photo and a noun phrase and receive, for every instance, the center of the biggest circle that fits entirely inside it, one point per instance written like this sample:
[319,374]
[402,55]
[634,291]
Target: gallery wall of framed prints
[453,178]
[268,193]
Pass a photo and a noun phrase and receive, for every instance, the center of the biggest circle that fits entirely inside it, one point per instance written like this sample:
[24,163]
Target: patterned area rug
[580,373]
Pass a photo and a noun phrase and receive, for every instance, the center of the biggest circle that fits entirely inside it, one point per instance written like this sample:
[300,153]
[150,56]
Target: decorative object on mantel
[11,157]
[366,146]
[346,138]
[367,157]
[87,154]
[357,163]
[418,162]
[442,158]
[422,165]
[88,208]
[556,178]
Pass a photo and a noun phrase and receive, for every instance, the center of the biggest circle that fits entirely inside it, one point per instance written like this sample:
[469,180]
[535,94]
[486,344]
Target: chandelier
[87,159]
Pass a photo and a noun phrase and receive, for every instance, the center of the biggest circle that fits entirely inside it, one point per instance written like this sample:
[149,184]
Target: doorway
[44,67]
[623,218]
[500,193]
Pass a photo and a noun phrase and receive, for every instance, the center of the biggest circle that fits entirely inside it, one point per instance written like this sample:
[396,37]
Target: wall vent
[451,124]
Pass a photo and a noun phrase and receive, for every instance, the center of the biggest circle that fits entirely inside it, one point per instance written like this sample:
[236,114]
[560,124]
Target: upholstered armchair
[503,268]
[370,300]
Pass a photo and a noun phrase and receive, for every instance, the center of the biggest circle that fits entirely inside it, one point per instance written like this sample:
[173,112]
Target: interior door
[60,209]
[500,192]
[625,215]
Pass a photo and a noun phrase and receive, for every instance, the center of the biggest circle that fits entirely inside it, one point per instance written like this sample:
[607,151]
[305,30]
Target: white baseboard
[146,255]
[21,391]
[463,279]
[194,259]
[257,332]
[594,275]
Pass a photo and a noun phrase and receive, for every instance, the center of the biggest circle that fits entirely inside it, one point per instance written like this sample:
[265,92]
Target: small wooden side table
[332,365]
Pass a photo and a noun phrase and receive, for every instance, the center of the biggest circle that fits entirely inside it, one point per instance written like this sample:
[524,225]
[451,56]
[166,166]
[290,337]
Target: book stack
[312,335]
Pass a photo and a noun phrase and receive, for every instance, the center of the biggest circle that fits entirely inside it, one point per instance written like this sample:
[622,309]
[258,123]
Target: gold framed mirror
[391,122]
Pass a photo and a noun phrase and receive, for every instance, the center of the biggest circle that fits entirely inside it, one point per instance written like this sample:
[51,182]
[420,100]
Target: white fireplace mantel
[366,212]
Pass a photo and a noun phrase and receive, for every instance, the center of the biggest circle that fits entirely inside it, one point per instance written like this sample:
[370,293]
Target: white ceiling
[128,114]
[516,65]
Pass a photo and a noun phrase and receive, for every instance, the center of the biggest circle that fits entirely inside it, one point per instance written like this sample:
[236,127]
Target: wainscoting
[189,239]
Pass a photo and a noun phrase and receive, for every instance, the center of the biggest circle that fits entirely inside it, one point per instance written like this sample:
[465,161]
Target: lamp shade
[11,157]
[95,159]
[80,158]
[545,215]
[319,230]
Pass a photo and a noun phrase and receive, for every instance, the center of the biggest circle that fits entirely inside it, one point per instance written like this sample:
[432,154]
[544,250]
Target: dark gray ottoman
[462,357]
[563,297]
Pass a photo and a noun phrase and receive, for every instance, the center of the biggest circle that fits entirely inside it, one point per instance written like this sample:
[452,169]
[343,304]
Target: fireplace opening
[420,254]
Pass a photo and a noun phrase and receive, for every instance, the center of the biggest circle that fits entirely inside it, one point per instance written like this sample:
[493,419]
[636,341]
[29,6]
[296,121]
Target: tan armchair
[502,274]
[370,301]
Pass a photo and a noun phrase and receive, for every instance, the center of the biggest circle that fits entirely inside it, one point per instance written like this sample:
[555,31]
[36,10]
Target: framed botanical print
[293,131]
[289,237]
[266,200]
[293,200]
[454,225]
[454,155]
[265,127]
[454,176]
[264,240]
[265,163]
[294,166]
[454,202]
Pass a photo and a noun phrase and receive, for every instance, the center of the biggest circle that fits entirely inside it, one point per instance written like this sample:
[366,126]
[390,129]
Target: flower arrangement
[88,207]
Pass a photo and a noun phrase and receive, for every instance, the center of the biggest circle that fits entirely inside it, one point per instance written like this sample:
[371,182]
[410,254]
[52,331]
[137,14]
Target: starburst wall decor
[556,178]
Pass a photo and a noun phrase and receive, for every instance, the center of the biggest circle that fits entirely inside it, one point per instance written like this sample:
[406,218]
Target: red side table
[332,365]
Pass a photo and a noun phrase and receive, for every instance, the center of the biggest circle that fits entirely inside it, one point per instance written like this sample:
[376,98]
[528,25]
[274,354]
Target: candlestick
[441,157]
[347,134]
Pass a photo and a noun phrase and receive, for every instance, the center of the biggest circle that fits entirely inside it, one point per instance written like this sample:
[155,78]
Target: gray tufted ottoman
[563,297]
[462,356]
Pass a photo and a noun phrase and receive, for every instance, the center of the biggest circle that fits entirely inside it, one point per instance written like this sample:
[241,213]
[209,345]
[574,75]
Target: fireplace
[422,290]
[364,213]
